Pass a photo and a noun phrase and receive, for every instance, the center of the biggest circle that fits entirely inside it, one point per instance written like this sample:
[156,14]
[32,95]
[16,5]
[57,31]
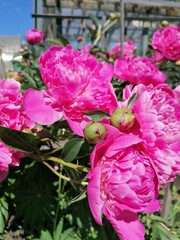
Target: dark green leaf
[94,20]
[71,149]
[81,196]
[60,41]
[97,115]
[95,49]
[54,41]
[18,140]
[34,196]
[132,99]
[3,213]
[63,40]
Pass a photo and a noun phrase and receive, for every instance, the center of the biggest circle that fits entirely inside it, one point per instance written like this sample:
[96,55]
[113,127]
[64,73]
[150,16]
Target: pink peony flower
[157,115]
[122,183]
[176,92]
[8,157]
[34,36]
[138,70]
[158,57]
[86,48]
[76,82]
[129,48]
[167,41]
[12,115]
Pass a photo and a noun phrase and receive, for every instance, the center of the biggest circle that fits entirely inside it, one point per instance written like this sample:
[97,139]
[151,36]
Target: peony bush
[101,131]
[12,116]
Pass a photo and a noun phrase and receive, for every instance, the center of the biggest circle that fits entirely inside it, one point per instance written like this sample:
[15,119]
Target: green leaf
[95,49]
[30,79]
[34,197]
[63,235]
[61,41]
[71,149]
[109,25]
[132,99]
[97,115]
[59,229]
[45,235]
[157,218]
[81,196]
[3,213]
[160,232]
[94,20]
[18,140]
[17,66]
[54,41]
[67,234]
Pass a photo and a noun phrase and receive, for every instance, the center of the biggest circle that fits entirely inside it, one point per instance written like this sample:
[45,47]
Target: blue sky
[15,17]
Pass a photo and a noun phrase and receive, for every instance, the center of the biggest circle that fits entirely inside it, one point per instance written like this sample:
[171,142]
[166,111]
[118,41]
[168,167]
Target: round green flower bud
[94,132]
[15,75]
[123,119]
[177,63]
[164,23]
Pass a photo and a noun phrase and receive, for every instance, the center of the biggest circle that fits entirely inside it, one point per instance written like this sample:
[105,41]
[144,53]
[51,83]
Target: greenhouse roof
[138,15]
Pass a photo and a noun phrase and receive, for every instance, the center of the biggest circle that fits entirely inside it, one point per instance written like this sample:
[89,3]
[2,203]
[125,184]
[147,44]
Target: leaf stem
[57,207]
[62,176]
[70,165]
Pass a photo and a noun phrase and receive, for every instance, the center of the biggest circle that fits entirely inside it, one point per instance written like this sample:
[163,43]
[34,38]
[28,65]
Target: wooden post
[121,26]
[35,12]
[167,199]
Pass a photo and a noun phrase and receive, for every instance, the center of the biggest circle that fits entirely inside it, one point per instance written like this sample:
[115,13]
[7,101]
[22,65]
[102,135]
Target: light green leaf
[160,231]
[45,235]
[63,235]
[59,229]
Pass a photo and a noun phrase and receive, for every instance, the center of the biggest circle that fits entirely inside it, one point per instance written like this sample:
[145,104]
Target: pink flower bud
[94,132]
[80,39]
[34,36]
[123,119]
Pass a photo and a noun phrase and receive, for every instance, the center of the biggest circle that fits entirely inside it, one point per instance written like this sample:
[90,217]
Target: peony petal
[77,127]
[126,224]
[154,205]
[38,110]
[124,141]
[3,175]
[93,192]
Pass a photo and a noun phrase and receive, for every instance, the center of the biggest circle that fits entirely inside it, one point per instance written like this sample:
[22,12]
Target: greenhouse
[90,121]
